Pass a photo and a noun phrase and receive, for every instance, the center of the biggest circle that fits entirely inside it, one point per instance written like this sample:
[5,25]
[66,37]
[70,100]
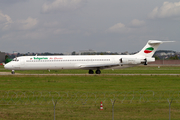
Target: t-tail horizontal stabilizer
[151,47]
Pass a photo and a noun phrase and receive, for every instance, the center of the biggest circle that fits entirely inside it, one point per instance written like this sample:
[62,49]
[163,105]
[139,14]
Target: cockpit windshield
[15,59]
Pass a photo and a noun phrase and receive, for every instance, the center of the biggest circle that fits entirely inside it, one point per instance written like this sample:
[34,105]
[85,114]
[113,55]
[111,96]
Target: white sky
[72,25]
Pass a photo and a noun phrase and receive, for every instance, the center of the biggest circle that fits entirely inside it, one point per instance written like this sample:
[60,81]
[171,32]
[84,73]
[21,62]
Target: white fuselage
[73,62]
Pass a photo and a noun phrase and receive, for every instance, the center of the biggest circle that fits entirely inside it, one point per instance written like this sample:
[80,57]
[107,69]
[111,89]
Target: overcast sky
[63,26]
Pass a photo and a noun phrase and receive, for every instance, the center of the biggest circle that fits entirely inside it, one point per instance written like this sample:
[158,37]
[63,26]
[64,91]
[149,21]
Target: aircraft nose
[7,66]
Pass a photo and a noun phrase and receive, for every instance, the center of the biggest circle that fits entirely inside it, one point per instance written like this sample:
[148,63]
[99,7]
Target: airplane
[87,62]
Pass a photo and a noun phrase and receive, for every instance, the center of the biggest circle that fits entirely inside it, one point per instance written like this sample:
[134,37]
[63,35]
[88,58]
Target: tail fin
[150,48]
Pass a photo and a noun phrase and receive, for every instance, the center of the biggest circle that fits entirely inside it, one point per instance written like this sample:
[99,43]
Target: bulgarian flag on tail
[148,50]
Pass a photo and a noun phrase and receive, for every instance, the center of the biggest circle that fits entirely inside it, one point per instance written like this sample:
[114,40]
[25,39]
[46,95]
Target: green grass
[79,97]
[93,83]
[137,97]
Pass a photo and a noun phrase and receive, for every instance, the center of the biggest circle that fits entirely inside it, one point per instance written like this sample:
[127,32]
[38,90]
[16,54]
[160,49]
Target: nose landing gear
[12,72]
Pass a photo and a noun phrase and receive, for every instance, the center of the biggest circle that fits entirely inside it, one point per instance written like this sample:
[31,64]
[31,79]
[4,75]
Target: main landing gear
[97,71]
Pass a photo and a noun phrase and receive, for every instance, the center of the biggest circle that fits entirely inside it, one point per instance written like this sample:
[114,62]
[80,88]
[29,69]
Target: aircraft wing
[95,66]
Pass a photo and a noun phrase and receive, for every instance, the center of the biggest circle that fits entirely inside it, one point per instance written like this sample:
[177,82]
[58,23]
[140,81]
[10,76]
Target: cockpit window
[15,59]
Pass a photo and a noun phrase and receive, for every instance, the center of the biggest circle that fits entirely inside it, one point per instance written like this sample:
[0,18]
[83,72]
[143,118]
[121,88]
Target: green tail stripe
[150,48]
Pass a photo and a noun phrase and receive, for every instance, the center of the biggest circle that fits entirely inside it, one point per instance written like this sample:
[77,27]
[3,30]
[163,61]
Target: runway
[19,74]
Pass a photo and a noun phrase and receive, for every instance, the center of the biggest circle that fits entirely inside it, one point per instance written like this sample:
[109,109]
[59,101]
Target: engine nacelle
[146,60]
[150,59]
[130,61]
